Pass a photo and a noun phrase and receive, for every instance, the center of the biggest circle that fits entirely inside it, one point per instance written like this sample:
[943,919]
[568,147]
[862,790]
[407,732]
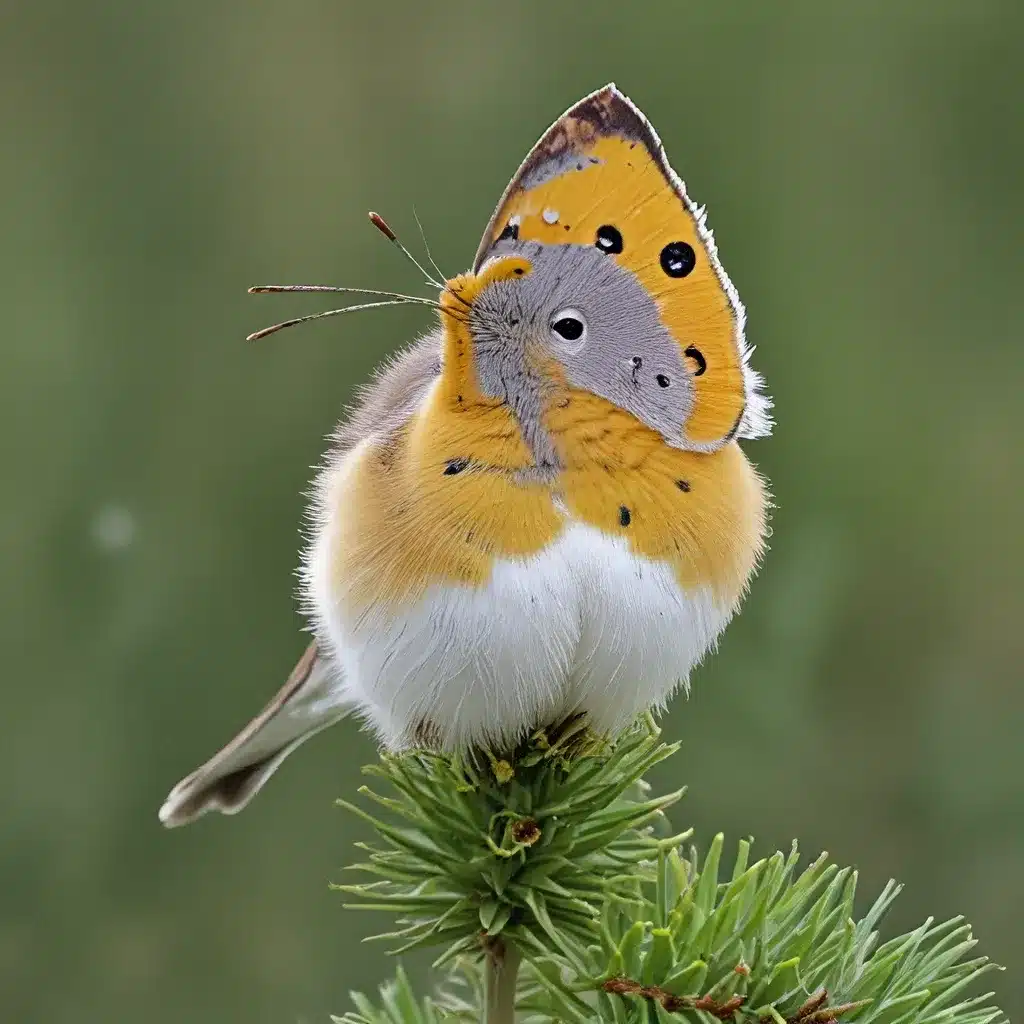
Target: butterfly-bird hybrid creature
[540,508]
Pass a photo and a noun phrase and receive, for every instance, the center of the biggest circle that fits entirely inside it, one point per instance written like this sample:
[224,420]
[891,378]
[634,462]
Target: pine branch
[558,854]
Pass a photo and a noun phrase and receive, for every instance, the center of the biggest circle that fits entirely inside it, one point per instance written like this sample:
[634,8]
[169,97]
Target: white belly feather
[584,625]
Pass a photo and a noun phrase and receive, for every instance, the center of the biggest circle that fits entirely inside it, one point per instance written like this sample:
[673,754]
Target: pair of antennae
[392,298]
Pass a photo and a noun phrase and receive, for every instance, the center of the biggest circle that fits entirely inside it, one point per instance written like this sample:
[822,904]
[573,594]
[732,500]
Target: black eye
[609,239]
[569,325]
[569,328]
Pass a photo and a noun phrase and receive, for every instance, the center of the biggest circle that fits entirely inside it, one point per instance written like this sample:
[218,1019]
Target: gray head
[593,317]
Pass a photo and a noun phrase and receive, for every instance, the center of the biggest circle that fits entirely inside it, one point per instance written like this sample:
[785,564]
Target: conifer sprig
[528,853]
[559,850]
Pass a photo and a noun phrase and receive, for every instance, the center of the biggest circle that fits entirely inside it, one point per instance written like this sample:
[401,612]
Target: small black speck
[683,485]
[458,398]
[637,362]
[469,537]
[455,466]
[594,160]
[518,270]
[632,145]
[567,226]
[624,516]
[513,320]
[663,381]
[579,167]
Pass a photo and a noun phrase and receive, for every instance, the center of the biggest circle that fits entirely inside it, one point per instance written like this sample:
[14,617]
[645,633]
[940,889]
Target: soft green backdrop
[862,164]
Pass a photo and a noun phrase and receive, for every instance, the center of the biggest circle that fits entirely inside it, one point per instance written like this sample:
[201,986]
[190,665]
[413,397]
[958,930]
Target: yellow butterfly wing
[599,176]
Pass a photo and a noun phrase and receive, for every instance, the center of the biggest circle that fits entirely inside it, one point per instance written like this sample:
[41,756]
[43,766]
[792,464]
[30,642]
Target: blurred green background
[862,165]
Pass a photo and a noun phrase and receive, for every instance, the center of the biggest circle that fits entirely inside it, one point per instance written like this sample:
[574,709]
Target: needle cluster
[556,855]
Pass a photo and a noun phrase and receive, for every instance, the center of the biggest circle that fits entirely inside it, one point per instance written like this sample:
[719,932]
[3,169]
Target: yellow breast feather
[703,513]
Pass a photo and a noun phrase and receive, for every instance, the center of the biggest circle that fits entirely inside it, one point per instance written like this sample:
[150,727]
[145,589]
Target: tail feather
[307,703]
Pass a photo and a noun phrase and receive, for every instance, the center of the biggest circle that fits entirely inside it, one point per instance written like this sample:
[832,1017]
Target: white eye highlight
[569,329]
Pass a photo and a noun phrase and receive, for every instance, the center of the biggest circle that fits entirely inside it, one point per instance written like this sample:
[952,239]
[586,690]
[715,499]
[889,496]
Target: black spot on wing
[609,239]
[678,259]
[697,356]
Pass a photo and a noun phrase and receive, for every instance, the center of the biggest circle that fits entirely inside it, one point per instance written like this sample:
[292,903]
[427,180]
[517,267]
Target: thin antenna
[382,226]
[330,312]
[430,255]
[268,289]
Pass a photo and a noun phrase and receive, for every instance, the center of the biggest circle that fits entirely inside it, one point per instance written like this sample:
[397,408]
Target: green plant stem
[501,970]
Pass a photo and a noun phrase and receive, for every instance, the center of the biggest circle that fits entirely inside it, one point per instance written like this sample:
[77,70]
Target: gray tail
[307,703]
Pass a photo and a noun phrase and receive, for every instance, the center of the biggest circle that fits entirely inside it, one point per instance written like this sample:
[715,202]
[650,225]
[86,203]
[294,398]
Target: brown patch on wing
[602,113]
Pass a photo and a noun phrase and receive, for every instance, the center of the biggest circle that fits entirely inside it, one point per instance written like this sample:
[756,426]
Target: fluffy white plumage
[584,625]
